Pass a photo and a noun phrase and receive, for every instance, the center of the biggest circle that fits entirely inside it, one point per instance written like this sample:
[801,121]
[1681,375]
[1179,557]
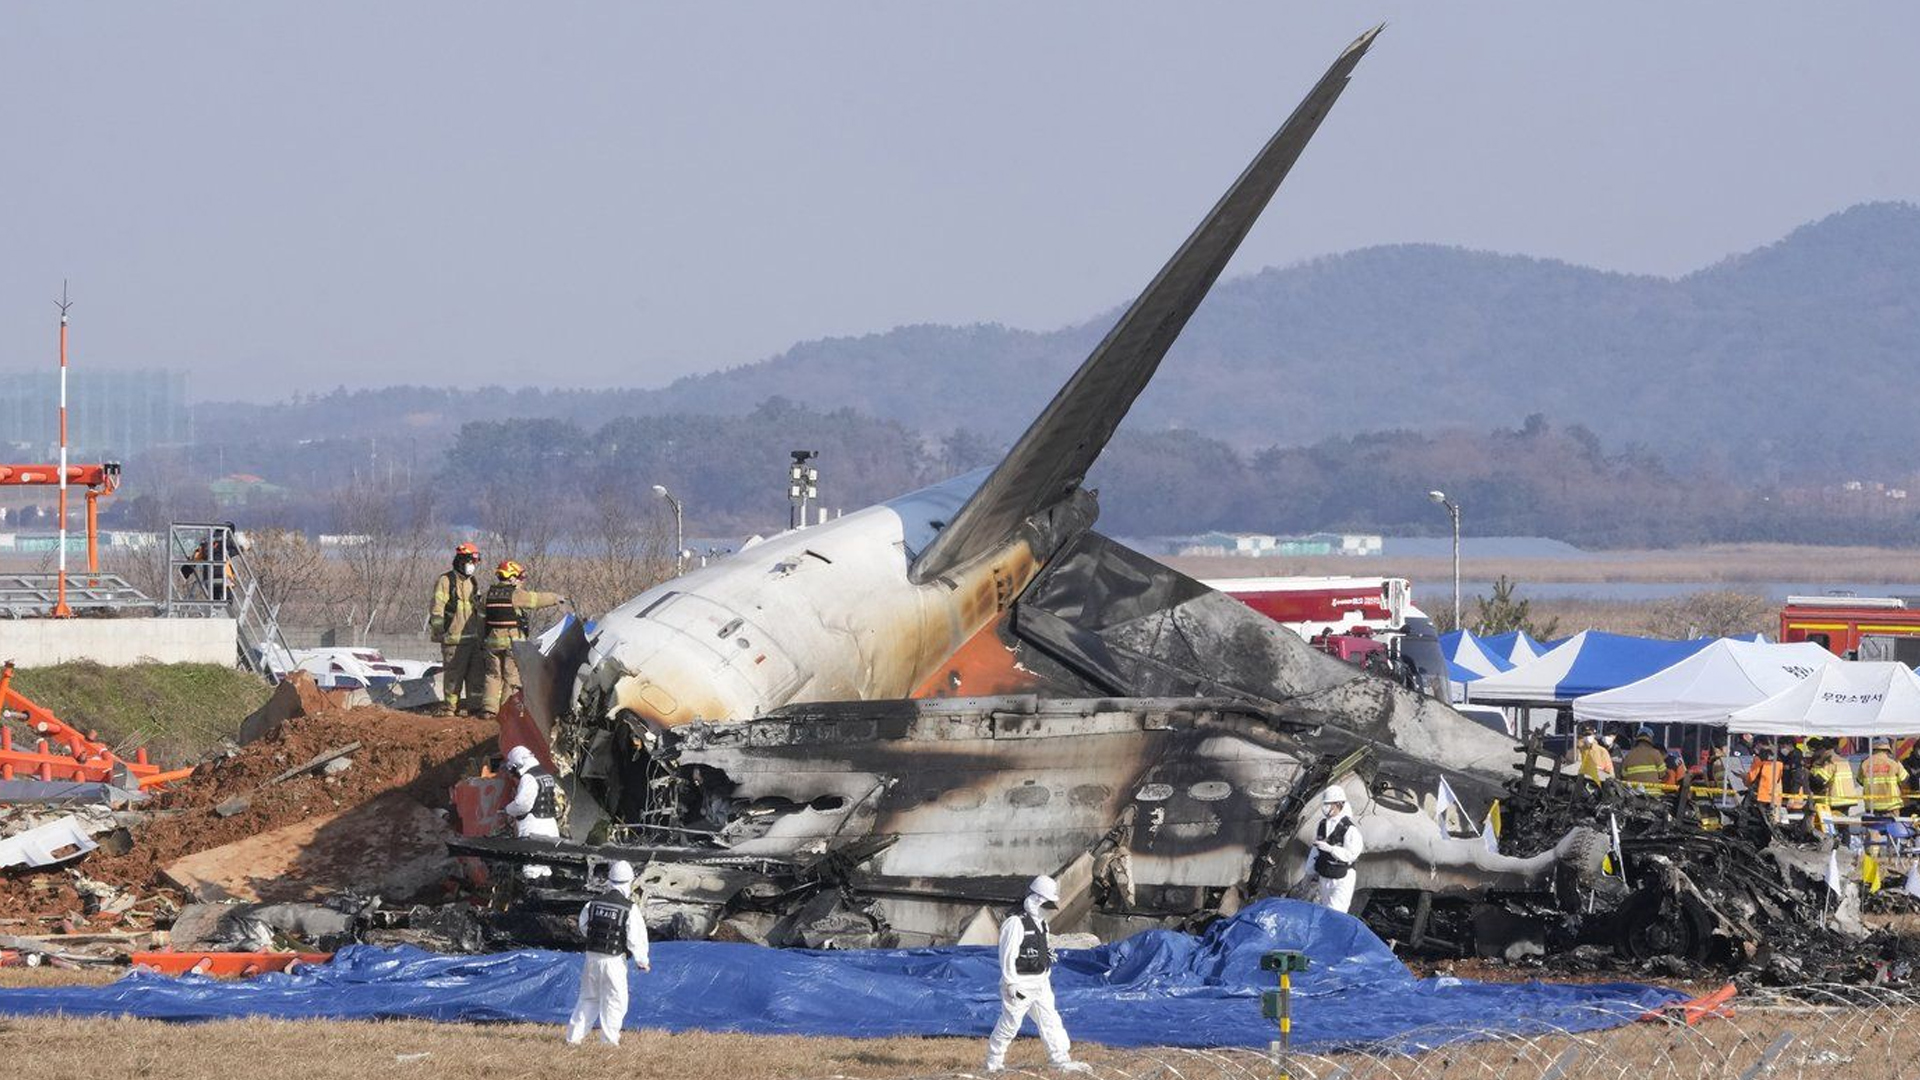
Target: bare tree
[1715,613]
[291,575]
[388,544]
[623,550]
[519,520]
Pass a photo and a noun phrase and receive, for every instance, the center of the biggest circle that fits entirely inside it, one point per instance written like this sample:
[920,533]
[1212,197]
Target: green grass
[177,711]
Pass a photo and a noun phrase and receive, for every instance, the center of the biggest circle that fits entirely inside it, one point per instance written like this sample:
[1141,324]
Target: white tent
[1846,697]
[1705,687]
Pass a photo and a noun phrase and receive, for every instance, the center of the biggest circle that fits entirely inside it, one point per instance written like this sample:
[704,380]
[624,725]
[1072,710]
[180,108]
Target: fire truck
[1367,621]
[1854,627]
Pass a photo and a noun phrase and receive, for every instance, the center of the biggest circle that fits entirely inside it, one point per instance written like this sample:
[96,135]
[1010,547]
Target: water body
[1429,592]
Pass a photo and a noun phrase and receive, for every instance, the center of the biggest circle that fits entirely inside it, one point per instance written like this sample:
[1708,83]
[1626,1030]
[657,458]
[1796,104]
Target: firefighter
[454,623]
[1881,778]
[505,611]
[1834,777]
[1026,981]
[1676,769]
[1645,763]
[1911,763]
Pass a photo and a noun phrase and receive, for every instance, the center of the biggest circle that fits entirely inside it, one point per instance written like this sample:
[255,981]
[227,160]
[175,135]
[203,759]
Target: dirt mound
[399,752]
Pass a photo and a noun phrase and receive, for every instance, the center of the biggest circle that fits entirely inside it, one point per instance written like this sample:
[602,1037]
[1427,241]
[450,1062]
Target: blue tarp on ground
[1158,988]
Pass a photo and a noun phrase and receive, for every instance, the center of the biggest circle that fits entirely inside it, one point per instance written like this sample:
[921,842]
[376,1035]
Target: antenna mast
[60,608]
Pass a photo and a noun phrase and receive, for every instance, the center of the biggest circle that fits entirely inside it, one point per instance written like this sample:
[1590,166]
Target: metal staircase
[209,576]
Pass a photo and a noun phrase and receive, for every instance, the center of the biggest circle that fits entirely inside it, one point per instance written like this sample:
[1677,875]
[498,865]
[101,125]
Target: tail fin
[1053,456]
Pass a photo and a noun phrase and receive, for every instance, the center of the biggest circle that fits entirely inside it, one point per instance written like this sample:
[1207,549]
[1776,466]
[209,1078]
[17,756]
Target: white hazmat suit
[531,816]
[1029,993]
[1337,845]
[603,975]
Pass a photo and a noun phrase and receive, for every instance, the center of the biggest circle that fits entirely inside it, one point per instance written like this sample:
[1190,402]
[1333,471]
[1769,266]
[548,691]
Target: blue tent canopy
[1468,658]
[1158,988]
[1516,647]
[1586,663]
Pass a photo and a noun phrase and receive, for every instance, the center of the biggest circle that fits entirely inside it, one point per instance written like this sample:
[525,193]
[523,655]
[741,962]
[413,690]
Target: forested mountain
[1601,408]
[1726,363]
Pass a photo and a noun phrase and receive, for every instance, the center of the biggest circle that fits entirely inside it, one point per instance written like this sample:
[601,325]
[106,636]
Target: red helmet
[510,571]
[467,549]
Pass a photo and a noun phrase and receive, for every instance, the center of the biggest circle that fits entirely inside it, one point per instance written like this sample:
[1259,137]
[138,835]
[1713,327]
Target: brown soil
[399,751]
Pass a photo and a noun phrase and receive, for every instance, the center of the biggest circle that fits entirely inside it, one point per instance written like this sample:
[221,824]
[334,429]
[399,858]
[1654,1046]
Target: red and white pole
[60,608]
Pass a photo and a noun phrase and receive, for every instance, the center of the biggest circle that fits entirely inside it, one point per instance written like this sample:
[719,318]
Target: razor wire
[1825,1032]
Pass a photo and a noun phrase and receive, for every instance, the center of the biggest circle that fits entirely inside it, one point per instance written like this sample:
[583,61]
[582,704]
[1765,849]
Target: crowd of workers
[476,627]
[1784,773]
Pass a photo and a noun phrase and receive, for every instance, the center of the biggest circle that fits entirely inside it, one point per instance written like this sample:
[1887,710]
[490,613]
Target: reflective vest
[1764,778]
[1035,956]
[607,916]
[1644,764]
[1842,792]
[1880,778]
[500,613]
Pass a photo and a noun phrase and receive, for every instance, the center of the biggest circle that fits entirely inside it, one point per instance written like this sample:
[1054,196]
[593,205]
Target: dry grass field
[1727,565]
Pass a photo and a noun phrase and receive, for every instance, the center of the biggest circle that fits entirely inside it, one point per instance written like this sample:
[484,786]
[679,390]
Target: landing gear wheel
[1653,924]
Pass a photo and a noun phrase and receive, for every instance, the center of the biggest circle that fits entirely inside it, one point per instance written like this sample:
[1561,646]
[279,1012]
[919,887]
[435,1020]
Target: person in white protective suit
[1336,847]
[535,808]
[1026,981]
[615,933]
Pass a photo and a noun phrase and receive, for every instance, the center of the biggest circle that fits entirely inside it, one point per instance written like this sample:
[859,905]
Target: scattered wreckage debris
[276,819]
[224,965]
[1744,897]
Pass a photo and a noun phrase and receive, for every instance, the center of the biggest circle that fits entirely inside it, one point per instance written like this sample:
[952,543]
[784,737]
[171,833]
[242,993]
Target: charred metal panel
[1107,618]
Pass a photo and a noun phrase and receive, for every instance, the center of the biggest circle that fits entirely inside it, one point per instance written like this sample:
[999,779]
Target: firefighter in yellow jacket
[505,612]
[454,623]
[1881,778]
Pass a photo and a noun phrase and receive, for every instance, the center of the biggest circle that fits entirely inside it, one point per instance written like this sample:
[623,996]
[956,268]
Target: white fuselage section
[819,614]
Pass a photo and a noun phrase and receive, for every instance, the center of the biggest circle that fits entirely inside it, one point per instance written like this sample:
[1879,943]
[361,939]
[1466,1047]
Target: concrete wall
[115,642]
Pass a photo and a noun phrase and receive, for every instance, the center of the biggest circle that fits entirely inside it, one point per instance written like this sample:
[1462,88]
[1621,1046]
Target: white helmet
[1045,888]
[1334,794]
[520,759]
[620,873]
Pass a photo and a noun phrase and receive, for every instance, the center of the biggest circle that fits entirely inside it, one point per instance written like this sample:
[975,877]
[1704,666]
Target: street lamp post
[679,529]
[1453,511]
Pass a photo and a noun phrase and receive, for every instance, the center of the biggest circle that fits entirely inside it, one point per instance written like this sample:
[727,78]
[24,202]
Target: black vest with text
[1036,952]
[607,916]
[546,800]
[1331,866]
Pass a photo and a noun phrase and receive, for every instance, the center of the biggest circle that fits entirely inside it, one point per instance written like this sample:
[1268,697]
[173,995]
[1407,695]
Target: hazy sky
[287,196]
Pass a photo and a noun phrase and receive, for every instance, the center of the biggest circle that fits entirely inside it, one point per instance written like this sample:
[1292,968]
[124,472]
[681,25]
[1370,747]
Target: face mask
[466,568]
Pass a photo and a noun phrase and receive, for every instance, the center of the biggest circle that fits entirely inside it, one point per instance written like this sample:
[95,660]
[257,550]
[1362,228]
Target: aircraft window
[1154,792]
[727,630]
[1210,790]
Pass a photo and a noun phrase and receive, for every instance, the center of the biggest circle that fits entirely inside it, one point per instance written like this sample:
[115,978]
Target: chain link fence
[1818,1033]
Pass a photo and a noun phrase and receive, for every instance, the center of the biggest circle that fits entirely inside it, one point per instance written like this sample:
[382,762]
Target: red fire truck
[1856,627]
[1368,621]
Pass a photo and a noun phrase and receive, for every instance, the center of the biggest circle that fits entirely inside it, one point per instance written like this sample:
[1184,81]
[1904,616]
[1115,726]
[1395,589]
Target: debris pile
[329,809]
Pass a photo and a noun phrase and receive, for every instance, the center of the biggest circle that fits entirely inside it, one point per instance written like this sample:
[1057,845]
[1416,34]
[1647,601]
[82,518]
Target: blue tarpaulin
[1158,988]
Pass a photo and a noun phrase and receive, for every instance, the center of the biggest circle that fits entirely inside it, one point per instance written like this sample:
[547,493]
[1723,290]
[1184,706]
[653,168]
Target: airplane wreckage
[876,730]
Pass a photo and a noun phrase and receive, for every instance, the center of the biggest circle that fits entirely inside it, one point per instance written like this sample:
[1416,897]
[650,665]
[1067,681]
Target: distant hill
[1811,330]
[1728,367]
